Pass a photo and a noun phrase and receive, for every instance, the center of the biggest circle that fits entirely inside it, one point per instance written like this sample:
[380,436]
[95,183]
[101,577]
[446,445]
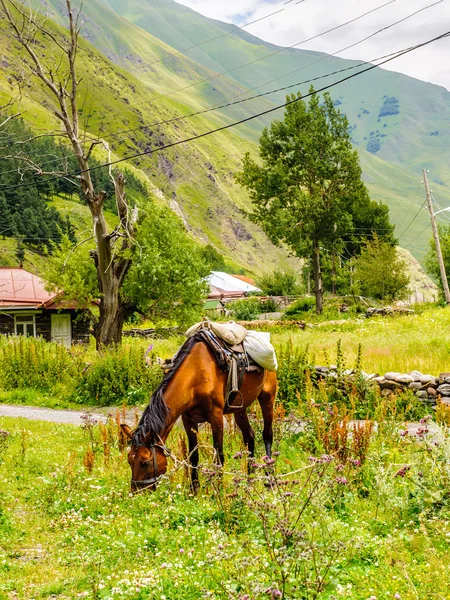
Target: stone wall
[426,387]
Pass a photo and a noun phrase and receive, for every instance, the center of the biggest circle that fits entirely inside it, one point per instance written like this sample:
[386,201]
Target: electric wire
[244,120]
[159,97]
[412,221]
[276,52]
[236,28]
[385,28]
[219,106]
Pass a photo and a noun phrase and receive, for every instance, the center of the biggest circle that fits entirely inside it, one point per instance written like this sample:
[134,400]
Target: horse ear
[127,430]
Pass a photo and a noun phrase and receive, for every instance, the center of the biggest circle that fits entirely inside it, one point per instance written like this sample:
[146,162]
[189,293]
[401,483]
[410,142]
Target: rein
[155,477]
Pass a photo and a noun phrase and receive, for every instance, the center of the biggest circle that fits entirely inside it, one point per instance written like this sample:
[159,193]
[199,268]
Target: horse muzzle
[144,484]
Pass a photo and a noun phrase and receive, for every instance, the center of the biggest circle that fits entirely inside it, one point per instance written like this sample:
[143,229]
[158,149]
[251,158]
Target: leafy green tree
[279,283]
[380,273]
[165,280]
[431,262]
[213,259]
[20,252]
[308,185]
[8,226]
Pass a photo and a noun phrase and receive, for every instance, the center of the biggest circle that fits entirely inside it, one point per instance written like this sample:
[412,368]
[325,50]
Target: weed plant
[36,364]
[118,375]
[342,510]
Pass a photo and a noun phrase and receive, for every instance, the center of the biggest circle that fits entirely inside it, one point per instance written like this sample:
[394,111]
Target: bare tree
[61,83]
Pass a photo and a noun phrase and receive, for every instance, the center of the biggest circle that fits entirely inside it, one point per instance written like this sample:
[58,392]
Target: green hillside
[196,180]
[398,123]
[410,132]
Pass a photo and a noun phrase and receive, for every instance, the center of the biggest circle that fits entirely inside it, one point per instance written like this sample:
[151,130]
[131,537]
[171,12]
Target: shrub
[280,283]
[291,374]
[373,145]
[391,106]
[301,305]
[246,310]
[117,376]
[36,364]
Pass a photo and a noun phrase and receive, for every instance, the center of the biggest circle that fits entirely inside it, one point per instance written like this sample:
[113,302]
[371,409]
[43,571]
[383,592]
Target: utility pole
[436,239]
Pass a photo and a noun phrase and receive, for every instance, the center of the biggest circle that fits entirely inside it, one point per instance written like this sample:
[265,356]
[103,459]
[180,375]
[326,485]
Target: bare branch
[8,118]
[72,250]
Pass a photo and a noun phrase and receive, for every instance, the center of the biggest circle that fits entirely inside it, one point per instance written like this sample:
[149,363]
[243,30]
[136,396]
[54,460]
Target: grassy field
[401,343]
[389,344]
[366,520]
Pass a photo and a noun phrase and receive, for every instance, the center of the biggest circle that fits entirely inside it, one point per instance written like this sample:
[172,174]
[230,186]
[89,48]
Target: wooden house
[26,308]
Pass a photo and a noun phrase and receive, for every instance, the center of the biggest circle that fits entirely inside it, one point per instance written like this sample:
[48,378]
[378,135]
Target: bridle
[153,480]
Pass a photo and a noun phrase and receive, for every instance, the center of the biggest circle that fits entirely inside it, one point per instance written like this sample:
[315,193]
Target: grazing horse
[194,388]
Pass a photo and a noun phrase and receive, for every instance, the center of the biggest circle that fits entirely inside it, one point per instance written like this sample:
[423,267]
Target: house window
[25,325]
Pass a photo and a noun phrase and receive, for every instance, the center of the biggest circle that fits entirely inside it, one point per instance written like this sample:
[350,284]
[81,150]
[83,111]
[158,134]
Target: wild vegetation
[341,511]
[36,372]
[307,191]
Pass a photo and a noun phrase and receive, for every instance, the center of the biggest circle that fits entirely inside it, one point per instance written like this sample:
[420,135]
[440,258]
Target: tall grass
[116,376]
[36,364]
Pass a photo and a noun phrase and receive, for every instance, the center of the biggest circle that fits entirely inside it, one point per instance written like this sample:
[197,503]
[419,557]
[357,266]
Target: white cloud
[311,17]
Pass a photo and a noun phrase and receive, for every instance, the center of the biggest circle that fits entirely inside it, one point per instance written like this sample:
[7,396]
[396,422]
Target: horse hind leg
[191,431]
[267,400]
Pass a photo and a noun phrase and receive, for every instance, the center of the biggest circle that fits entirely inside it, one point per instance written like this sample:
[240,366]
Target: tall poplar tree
[307,189]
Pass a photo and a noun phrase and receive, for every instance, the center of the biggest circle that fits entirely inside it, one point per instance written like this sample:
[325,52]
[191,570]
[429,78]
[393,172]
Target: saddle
[231,359]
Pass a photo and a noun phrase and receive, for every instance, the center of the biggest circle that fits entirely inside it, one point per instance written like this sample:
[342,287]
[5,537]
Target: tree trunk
[108,330]
[333,273]
[111,273]
[318,290]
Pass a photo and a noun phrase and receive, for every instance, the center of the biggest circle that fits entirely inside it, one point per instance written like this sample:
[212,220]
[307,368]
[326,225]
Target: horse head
[148,461]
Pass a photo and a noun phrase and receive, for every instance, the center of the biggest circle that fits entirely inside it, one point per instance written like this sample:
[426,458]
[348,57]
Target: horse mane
[154,417]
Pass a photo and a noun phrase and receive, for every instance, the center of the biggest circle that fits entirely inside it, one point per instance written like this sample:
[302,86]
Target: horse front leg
[191,428]
[216,422]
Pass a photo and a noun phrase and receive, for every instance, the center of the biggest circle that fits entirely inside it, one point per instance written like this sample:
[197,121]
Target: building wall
[80,325]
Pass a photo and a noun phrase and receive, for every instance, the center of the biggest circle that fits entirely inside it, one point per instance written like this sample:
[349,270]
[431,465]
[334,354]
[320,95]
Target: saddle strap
[238,365]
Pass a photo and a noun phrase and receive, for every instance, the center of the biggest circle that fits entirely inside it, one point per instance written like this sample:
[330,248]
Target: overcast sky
[303,19]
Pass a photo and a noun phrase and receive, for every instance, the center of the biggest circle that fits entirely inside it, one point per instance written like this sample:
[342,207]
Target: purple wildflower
[238,455]
[403,432]
[402,472]
[355,462]
[327,458]
[339,467]
[341,480]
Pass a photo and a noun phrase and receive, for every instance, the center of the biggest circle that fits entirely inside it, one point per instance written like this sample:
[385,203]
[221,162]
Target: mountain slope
[398,119]
[196,178]
[137,35]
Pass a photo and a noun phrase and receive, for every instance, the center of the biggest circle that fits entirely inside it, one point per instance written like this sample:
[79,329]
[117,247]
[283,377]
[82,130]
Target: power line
[60,160]
[344,49]
[241,121]
[271,54]
[414,218]
[228,104]
[236,28]
[417,236]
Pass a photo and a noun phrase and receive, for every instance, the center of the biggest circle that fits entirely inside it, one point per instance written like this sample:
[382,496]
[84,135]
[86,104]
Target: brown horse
[194,389]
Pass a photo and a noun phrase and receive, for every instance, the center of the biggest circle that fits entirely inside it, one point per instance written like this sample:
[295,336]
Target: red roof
[246,279]
[20,288]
